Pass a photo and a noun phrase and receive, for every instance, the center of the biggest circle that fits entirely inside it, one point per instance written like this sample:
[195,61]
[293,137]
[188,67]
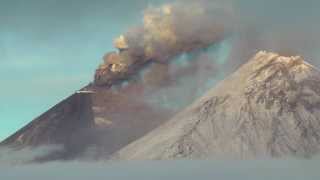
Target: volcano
[137,87]
[270,107]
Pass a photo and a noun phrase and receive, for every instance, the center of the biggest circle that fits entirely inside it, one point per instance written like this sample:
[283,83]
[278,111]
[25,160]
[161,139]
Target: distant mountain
[270,107]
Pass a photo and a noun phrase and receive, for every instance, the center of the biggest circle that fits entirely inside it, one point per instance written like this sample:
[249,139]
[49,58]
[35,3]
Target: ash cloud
[176,49]
[166,32]
[187,27]
[174,28]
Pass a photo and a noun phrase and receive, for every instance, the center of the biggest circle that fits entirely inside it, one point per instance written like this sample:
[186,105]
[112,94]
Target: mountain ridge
[268,108]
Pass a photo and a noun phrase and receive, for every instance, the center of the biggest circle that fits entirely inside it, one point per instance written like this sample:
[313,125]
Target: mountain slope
[270,107]
[100,122]
[68,124]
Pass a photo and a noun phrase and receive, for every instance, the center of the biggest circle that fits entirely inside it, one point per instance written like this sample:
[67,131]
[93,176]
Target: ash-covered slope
[68,123]
[270,107]
[99,122]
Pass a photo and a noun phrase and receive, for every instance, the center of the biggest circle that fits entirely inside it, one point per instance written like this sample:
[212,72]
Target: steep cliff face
[270,107]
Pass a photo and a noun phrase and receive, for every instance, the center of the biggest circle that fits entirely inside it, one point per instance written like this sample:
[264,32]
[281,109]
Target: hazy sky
[50,48]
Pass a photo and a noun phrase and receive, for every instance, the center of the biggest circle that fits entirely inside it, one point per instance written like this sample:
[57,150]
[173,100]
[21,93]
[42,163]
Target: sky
[51,48]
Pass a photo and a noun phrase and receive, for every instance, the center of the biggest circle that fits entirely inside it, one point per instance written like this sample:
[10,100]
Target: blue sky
[50,48]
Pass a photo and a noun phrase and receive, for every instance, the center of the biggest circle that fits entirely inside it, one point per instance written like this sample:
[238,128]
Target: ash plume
[183,27]
[167,31]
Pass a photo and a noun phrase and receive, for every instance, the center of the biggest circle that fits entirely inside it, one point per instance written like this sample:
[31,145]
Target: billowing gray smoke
[186,27]
[176,54]
[167,31]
